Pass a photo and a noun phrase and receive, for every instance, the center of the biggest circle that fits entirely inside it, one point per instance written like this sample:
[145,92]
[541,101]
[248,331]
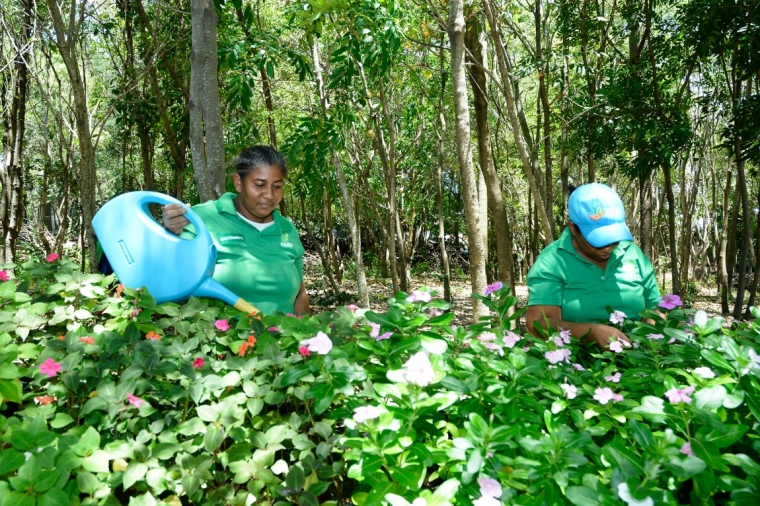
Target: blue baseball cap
[599,213]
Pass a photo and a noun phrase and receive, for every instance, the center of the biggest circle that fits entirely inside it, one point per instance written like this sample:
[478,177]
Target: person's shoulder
[285,223]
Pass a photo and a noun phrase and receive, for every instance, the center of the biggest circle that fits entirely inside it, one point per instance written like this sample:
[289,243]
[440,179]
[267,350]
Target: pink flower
[134,400]
[565,335]
[579,367]
[675,395]
[320,344]
[605,395]
[50,367]
[616,346]
[557,356]
[222,325]
[617,317]
[487,336]
[672,340]
[489,487]
[273,329]
[419,296]
[375,330]
[655,337]
[510,339]
[4,275]
[304,351]
[352,307]
[198,363]
[615,378]
[493,288]
[434,312]
[670,301]
[686,450]
[570,390]
[52,257]
[495,347]
[558,341]
[386,335]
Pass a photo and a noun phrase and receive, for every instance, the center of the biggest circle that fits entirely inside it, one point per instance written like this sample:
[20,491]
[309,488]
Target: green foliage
[109,398]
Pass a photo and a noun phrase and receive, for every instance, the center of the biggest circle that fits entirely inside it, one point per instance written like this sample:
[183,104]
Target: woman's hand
[174,218]
[601,334]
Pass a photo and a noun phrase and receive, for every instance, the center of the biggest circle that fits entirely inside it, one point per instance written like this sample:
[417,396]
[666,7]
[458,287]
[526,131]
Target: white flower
[625,494]
[489,487]
[700,319]
[486,501]
[705,372]
[419,502]
[571,391]
[419,370]
[364,413]
[319,344]
[487,336]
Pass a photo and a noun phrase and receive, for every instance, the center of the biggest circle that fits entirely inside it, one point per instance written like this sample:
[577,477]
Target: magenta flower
[50,367]
[571,391]
[304,351]
[419,296]
[52,257]
[375,330]
[222,325]
[615,378]
[557,356]
[489,487]
[670,301]
[675,395]
[510,339]
[198,363]
[134,400]
[605,395]
[617,317]
[273,329]
[4,275]
[493,288]
[386,335]
[686,450]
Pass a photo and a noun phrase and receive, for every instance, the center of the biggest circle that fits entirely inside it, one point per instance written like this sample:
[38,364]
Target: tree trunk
[206,134]
[543,94]
[645,216]
[476,51]
[439,186]
[456,31]
[675,277]
[725,280]
[66,40]
[741,186]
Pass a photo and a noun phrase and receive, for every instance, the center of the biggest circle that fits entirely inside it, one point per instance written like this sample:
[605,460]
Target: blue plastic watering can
[143,253]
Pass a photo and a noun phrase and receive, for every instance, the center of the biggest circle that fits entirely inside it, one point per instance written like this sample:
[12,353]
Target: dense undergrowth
[109,398]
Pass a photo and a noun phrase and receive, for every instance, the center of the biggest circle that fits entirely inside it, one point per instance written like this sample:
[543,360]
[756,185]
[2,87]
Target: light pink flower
[4,275]
[419,370]
[670,301]
[50,367]
[386,335]
[558,341]
[222,325]
[616,346]
[375,330]
[52,257]
[686,450]
[675,395]
[493,288]
[510,339]
[579,367]
[565,335]
[615,378]
[489,487]
[605,395]
[487,336]
[672,340]
[364,413]
[495,347]
[352,307]
[320,344]
[655,337]
[434,312]
[570,390]
[419,296]
[134,400]
[557,356]
[617,317]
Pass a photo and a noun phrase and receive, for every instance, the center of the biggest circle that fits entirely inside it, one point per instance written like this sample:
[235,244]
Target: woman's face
[598,255]
[259,193]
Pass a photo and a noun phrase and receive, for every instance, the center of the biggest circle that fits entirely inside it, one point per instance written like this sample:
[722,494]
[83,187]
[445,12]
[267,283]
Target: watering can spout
[212,289]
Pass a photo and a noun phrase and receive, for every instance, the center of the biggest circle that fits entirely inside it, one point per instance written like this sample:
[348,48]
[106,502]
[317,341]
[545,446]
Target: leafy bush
[109,398]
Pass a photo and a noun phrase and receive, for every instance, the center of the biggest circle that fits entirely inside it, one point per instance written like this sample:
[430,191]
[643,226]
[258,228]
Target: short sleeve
[544,286]
[188,232]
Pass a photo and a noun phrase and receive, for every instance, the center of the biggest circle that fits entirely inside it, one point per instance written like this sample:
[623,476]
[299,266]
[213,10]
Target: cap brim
[607,234]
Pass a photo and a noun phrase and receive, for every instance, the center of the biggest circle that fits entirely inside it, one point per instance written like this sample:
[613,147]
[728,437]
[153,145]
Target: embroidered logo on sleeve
[284,241]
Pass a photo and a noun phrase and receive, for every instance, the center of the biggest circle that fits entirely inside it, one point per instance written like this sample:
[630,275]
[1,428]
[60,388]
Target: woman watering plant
[593,265]
[260,256]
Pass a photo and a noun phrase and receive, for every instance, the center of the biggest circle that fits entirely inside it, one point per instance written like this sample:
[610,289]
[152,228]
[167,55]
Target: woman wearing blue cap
[593,265]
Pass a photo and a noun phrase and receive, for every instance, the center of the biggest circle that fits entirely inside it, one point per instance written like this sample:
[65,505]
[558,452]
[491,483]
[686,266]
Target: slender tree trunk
[476,51]
[756,273]
[741,186]
[676,279]
[645,216]
[456,30]
[565,111]
[441,132]
[543,93]
[725,279]
[320,247]
[206,134]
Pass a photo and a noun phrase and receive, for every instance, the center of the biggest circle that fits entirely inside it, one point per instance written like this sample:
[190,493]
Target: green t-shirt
[264,267]
[562,277]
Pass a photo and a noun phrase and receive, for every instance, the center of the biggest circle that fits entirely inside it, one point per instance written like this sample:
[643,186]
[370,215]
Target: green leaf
[54,497]
[19,499]
[708,452]
[583,496]
[61,420]
[295,478]
[87,482]
[710,397]
[46,479]
[411,475]
[292,376]
[11,390]
[95,404]
[212,440]
[8,290]
[444,493]
[90,439]
[191,427]
[207,413]
[716,359]
[443,319]
[651,408]
[732,434]
[10,460]
[307,499]
[135,472]
[97,462]
[163,451]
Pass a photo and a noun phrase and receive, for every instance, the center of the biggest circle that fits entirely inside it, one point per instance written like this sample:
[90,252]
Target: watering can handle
[160,198]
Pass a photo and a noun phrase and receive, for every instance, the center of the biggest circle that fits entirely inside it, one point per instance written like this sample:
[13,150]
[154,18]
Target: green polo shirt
[562,277]
[264,268]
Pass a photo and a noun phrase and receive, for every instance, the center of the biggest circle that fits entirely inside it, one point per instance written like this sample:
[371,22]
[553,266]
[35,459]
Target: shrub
[109,398]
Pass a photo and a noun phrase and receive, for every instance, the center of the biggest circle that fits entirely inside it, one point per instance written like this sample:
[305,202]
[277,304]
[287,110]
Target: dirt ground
[323,298]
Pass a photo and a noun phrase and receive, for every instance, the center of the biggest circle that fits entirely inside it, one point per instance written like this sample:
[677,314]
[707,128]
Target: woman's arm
[597,332]
[302,302]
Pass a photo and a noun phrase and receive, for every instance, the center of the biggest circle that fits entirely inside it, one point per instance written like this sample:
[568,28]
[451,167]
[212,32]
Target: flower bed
[109,398]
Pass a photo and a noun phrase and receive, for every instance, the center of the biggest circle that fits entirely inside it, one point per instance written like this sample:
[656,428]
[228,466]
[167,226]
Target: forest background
[416,131]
